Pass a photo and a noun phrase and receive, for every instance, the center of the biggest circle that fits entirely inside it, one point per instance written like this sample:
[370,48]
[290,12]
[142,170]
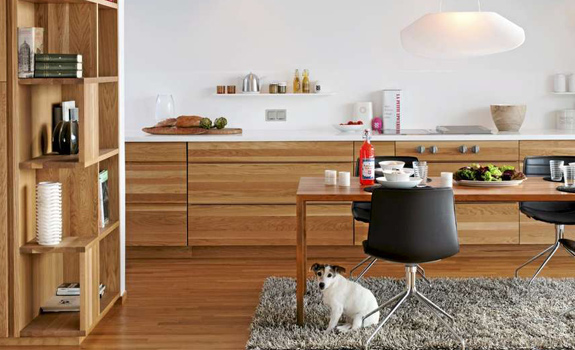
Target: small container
[569,176]
[221,89]
[446,179]
[556,169]
[344,179]
[231,89]
[571,83]
[566,120]
[282,87]
[331,177]
[273,89]
[317,87]
[559,83]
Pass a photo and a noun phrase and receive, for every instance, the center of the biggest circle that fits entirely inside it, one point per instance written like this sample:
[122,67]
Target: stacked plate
[49,213]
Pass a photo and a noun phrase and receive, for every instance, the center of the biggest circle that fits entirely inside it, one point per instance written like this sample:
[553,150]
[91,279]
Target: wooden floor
[208,303]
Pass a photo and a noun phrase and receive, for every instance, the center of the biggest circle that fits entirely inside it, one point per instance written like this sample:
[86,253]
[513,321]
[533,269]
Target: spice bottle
[296,83]
[305,85]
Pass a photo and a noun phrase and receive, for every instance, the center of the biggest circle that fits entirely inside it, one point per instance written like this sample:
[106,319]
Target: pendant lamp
[453,35]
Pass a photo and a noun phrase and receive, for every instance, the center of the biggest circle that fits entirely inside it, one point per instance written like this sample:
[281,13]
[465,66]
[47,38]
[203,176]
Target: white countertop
[329,135]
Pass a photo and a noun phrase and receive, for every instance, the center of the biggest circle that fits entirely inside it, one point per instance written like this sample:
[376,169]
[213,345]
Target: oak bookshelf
[88,254]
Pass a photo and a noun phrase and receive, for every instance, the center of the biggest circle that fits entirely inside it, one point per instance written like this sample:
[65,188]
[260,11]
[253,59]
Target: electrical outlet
[276,115]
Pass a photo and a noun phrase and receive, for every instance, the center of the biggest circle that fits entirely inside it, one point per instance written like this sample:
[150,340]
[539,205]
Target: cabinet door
[149,152]
[450,152]
[156,225]
[269,152]
[251,183]
[547,148]
[485,223]
[258,225]
[156,183]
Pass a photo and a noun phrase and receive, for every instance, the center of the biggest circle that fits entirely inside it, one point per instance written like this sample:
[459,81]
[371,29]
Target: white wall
[187,47]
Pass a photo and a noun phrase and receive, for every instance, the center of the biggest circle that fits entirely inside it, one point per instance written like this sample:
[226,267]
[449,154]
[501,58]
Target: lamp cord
[441,5]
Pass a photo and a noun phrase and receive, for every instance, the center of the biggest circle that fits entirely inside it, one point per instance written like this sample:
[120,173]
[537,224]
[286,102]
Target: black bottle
[69,142]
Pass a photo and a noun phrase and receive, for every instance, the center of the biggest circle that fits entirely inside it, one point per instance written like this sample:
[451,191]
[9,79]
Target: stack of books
[47,65]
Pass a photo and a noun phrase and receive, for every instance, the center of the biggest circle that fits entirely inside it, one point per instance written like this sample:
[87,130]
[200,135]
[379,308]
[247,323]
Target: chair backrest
[407,160]
[413,226]
[539,166]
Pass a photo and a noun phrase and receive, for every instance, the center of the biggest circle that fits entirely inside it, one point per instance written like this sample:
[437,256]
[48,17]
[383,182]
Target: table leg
[301,259]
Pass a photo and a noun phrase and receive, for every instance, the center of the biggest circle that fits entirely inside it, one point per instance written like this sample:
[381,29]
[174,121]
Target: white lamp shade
[452,35]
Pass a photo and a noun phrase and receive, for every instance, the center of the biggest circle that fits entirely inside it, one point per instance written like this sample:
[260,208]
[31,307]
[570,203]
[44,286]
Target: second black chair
[557,213]
[412,227]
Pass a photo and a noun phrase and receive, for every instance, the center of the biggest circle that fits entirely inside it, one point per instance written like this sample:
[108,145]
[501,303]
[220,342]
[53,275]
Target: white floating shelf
[265,94]
[563,93]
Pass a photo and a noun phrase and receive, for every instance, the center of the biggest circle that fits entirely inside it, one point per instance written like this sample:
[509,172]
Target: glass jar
[165,107]
[273,88]
[282,87]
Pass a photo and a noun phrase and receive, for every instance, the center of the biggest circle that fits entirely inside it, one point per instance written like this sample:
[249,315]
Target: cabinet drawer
[436,168]
[269,152]
[254,225]
[538,232]
[251,183]
[155,152]
[476,224]
[449,151]
[547,148]
[382,148]
[156,183]
[156,225]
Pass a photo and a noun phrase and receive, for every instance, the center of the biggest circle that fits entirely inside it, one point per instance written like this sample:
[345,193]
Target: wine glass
[165,107]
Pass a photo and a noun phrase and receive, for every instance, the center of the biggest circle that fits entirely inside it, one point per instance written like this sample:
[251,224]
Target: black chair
[361,211]
[557,213]
[412,227]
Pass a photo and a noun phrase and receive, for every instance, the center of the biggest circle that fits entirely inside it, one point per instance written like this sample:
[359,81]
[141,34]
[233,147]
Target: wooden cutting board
[190,131]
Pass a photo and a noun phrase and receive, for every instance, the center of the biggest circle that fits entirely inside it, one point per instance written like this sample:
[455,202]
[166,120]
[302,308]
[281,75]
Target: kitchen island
[234,196]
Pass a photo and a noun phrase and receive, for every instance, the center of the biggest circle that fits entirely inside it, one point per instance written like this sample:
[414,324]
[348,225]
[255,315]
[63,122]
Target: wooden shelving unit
[88,254]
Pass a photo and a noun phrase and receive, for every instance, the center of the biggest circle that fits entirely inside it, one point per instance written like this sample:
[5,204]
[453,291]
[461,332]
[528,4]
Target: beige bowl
[508,117]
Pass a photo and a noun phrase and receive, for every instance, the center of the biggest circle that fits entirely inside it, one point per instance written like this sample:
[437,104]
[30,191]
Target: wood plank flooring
[205,304]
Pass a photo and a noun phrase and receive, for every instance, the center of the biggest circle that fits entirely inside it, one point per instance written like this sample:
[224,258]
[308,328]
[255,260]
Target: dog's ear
[338,269]
[316,267]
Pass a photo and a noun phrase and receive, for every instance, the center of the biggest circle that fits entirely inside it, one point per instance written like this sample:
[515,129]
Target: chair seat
[556,217]
[414,258]
[361,211]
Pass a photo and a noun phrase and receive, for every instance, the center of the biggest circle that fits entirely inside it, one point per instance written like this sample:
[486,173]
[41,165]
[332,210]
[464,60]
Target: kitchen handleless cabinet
[452,151]
[546,148]
[156,194]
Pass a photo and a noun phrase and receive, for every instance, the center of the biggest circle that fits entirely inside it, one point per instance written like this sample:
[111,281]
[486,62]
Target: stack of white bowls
[49,213]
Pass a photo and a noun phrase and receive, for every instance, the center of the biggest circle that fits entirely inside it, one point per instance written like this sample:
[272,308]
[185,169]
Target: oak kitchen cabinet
[217,194]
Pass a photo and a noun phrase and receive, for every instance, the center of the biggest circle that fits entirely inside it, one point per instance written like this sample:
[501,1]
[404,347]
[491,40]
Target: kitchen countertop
[333,135]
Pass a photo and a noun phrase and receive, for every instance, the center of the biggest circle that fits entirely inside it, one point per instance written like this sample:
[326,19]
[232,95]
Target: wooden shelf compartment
[109,266]
[54,324]
[57,161]
[108,301]
[71,244]
[68,81]
[108,110]
[107,42]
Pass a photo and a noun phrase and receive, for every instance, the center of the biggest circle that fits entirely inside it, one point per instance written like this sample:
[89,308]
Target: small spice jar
[221,89]
[282,87]
[231,89]
[273,89]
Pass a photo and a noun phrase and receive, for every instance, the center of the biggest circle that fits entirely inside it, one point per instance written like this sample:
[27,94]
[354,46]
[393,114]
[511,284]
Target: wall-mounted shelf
[322,94]
[563,93]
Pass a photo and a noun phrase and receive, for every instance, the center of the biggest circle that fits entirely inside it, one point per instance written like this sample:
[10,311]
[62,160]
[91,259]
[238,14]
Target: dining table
[313,189]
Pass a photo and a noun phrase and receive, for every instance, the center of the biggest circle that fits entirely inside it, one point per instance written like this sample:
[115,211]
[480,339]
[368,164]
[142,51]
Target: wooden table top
[534,189]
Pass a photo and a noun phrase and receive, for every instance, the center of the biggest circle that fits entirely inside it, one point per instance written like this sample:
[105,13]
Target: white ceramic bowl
[397,176]
[350,128]
[413,182]
[391,165]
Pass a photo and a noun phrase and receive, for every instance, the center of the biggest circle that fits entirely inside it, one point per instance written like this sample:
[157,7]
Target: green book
[56,57]
[57,74]
[58,66]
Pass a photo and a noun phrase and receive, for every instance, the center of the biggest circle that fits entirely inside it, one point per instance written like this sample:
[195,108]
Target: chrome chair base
[372,261]
[559,233]
[411,291]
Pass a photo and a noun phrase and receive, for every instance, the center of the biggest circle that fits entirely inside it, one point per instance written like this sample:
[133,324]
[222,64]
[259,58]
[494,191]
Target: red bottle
[367,161]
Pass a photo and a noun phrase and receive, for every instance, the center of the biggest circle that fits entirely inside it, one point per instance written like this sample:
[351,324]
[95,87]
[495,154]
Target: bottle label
[368,169]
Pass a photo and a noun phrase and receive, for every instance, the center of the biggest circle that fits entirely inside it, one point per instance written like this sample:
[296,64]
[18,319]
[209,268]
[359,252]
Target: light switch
[276,115]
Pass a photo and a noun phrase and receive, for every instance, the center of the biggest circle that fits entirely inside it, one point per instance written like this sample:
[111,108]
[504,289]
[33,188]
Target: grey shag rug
[490,314]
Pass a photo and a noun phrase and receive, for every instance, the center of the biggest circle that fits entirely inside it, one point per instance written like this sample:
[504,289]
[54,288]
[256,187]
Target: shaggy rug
[490,314]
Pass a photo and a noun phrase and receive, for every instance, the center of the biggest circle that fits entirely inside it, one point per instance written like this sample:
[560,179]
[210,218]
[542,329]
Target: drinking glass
[421,170]
[556,172]
[416,165]
[569,175]
[165,107]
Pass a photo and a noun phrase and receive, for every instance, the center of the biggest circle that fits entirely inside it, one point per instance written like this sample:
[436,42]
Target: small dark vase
[57,122]
[69,141]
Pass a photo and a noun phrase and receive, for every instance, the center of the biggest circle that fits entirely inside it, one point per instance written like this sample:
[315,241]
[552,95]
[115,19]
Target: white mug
[446,179]
[344,179]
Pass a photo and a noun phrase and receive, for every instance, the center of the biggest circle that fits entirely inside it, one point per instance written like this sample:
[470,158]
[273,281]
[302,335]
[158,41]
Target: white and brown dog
[345,297]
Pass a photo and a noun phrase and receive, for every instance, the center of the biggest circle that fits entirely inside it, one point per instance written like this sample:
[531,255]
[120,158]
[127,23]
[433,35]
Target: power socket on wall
[276,115]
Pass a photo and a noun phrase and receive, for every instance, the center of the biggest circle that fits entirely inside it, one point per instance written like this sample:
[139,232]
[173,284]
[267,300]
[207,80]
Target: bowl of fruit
[350,126]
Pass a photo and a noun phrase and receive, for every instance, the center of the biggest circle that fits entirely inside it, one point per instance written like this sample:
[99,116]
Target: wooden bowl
[508,117]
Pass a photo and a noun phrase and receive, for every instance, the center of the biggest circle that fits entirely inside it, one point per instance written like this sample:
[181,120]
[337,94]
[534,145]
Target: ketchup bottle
[367,161]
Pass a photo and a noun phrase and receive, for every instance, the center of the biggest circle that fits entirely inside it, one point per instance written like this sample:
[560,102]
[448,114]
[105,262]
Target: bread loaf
[188,121]
[167,122]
